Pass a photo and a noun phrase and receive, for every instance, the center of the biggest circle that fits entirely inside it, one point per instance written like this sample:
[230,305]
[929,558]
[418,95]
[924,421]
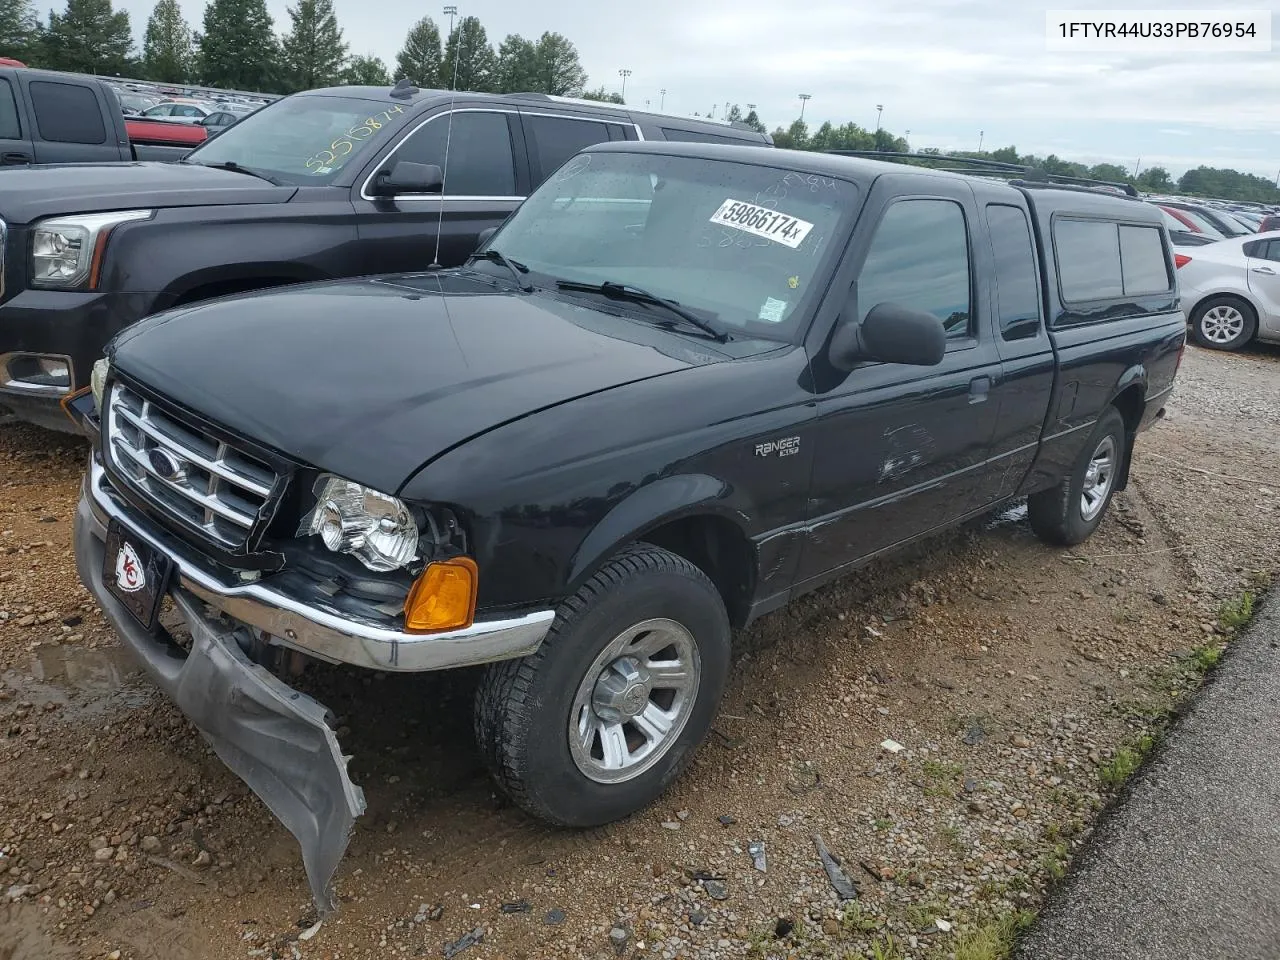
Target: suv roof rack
[1019,174]
[583,101]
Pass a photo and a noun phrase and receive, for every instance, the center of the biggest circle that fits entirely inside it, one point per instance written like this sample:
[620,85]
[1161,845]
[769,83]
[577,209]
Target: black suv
[329,183]
[682,385]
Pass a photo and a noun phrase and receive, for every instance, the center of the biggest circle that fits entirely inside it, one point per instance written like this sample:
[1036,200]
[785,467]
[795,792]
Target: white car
[1231,290]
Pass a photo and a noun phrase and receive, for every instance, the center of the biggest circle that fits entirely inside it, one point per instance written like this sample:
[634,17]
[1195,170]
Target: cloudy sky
[943,69]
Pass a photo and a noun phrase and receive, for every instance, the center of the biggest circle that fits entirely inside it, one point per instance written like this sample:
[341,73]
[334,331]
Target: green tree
[365,71]
[752,120]
[312,52]
[603,96]
[795,137]
[734,115]
[88,37]
[19,30]
[1005,155]
[1109,171]
[558,70]
[420,58]
[517,66]
[238,48]
[469,61]
[1155,179]
[168,54]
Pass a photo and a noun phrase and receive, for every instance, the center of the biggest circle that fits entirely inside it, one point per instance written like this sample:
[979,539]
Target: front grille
[183,470]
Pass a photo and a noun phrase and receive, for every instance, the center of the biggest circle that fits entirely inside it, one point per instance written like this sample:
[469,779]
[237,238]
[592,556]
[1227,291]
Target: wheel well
[1130,403]
[222,288]
[1238,298]
[720,550]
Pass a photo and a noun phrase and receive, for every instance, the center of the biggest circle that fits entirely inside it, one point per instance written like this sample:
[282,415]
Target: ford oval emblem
[166,466]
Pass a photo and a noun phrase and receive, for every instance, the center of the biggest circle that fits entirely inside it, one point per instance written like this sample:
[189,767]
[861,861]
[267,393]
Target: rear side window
[697,136]
[66,113]
[480,158]
[1142,262]
[1088,260]
[919,258]
[1017,286]
[10,129]
[553,140]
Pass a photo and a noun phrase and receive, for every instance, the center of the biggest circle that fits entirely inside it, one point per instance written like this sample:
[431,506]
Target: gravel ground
[1009,672]
[1129,897]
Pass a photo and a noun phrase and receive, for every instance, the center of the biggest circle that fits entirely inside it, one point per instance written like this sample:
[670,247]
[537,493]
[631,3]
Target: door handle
[14,158]
[978,389]
[1263,270]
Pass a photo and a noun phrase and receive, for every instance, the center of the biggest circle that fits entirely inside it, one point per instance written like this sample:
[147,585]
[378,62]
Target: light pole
[879,110]
[804,98]
[981,134]
[451,12]
[624,73]
[662,102]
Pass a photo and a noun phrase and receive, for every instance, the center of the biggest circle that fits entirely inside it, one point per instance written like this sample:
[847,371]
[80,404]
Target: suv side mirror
[408,177]
[890,333]
[485,236]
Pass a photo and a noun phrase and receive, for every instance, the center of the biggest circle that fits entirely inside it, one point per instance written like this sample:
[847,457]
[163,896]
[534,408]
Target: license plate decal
[136,574]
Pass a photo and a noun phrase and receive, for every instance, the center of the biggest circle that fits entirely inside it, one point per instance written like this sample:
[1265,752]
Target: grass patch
[1204,658]
[1235,614]
[886,948]
[950,834]
[1056,860]
[1128,758]
[855,921]
[991,941]
[941,771]
[881,823]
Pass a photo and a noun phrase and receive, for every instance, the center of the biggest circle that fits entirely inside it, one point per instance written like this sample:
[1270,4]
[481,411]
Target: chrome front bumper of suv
[303,624]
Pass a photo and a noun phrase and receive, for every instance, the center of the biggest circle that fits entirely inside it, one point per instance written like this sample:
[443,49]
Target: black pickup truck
[329,183]
[680,386]
[48,117]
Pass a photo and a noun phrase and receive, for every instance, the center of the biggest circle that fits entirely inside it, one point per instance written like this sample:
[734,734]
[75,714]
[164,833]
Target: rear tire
[1069,513]
[597,722]
[1223,323]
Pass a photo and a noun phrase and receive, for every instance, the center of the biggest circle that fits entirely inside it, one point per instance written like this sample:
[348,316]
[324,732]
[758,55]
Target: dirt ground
[1011,674]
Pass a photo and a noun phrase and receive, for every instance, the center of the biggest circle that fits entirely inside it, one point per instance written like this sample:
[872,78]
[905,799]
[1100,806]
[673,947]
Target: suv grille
[183,470]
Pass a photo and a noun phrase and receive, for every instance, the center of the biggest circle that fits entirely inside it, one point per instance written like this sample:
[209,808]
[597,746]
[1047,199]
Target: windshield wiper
[236,168]
[516,268]
[626,291]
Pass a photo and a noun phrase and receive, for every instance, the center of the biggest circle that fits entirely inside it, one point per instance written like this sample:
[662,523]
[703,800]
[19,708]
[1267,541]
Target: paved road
[1188,868]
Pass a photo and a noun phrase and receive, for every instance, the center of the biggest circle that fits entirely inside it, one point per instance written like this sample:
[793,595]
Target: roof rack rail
[976,166]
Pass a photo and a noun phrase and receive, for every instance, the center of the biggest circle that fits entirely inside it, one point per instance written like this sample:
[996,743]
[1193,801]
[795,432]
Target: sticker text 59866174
[762,222]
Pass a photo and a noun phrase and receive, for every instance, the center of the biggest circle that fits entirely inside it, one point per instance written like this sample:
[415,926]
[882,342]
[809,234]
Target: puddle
[1008,517]
[91,671]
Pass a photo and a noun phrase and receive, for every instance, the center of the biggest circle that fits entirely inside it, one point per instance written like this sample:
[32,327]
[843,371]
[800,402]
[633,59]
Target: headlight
[376,529]
[97,378]
[67,251]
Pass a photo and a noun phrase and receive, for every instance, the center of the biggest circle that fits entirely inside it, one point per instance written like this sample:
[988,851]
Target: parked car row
[681,384]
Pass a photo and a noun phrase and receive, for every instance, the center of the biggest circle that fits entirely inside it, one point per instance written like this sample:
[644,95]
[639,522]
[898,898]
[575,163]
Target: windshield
[743,246]
[300,139]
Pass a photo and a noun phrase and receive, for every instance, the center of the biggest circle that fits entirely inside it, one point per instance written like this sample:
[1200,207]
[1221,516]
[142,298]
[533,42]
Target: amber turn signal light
[443,597]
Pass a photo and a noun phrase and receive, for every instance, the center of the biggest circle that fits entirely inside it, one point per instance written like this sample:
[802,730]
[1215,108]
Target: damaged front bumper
[276,739]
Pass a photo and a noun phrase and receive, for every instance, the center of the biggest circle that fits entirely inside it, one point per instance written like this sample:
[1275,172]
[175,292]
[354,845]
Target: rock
[1019,741]
[715,889]
[697,918]
[670,825]
[977,806]
[103,854]
[830,927]
[97,843]
[726,820]
[783,927]
[943,925]
[554,917]
[202,859]
[151,844]
[892,746]
[618,937]
[682,815]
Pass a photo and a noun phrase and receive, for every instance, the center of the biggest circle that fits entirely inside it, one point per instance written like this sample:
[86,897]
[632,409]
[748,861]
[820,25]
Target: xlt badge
[783,448]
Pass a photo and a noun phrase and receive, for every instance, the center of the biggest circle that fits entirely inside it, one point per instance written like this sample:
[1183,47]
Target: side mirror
[408,177]
[891,333]
[485,236]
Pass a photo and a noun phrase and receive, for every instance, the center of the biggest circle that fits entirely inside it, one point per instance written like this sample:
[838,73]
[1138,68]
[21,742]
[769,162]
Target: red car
[166,132]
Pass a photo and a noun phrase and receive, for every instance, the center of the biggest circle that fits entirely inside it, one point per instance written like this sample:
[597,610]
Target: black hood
[372,378]
[30,193]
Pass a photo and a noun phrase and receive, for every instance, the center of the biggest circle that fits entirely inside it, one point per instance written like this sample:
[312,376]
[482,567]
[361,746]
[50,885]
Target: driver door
[902,449]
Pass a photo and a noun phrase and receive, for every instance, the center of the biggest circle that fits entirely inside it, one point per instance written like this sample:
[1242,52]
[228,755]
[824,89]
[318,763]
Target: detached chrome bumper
[307,625]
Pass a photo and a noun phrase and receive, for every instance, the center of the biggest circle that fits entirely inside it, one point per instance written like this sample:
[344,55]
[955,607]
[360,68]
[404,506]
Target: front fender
[648,508]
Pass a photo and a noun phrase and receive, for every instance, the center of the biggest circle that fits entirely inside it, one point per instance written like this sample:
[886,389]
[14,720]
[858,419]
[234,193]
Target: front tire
[1069,513]
[597,722]
[1223,323]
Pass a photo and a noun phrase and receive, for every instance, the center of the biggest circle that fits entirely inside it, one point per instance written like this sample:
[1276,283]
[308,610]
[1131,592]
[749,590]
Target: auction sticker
[762,222]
